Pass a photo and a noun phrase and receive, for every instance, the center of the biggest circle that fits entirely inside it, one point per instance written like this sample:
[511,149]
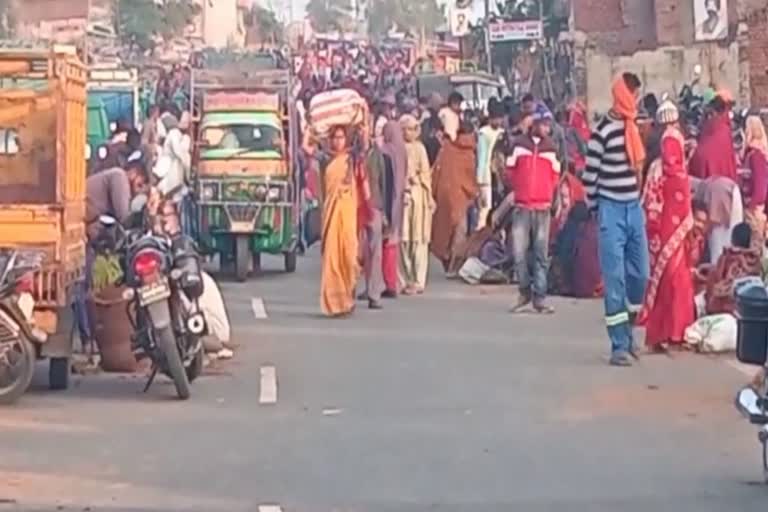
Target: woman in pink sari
[669,306]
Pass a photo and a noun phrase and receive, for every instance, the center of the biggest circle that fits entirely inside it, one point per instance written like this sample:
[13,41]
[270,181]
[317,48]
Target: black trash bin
[752,319]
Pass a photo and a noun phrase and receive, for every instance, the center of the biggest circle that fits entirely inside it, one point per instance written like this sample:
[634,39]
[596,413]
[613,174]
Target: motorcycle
[19,340]
[752,349]
[163,280]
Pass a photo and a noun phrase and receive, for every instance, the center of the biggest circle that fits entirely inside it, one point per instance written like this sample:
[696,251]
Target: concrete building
[221,23]
[52,20]
[656,40]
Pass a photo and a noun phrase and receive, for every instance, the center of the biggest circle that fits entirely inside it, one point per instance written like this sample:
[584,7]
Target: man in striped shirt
[614,159]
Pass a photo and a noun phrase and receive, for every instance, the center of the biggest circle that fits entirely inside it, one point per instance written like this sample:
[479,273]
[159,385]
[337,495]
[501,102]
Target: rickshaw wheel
[290,261]
[242,257]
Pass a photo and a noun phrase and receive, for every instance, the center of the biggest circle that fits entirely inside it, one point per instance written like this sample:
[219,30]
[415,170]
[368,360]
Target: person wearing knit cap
[533,172]
[615,159]
[668,306]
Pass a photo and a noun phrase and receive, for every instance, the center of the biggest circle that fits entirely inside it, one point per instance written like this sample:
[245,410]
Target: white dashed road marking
[268,388]
[259,311]
[270,508]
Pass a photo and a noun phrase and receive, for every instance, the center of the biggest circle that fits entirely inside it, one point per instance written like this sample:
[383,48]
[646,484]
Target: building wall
[655,39]
[662,70]
[757,54]
[221,23]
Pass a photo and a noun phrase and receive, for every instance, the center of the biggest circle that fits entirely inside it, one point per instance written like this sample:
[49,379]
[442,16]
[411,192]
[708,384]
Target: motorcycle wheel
[195,368]
[20,363]
[166,343]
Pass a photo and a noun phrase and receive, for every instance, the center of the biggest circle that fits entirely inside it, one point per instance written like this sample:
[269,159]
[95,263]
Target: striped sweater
[609,174]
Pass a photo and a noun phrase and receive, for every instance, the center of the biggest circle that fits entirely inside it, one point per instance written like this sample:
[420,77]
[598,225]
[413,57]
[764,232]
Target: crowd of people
[660,226]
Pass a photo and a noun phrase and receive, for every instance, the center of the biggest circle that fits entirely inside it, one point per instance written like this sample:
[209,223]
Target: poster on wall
[711,19]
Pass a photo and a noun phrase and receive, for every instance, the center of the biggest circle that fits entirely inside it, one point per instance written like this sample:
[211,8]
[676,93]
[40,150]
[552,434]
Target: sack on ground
[713,333]
[473,270]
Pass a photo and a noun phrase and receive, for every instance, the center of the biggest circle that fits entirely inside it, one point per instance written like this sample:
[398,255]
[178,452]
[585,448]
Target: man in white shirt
[450,115]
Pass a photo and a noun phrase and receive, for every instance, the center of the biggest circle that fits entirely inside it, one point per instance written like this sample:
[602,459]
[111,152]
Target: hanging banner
[503,31]
[459,19]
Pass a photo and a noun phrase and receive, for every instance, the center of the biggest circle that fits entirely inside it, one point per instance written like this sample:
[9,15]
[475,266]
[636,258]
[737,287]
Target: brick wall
[617,27]
[757,55]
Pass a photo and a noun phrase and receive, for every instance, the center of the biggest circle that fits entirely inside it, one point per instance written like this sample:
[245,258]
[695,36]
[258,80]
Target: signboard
[503,31]
[711,19]
[250,101]
[459,19]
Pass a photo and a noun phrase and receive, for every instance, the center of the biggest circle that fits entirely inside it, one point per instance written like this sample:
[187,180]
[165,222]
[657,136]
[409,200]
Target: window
[243,138]
[9,141]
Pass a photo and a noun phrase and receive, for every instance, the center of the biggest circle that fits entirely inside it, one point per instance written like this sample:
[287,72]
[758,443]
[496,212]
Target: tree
[406,15]
[329,15]
[265,21]
[139,21]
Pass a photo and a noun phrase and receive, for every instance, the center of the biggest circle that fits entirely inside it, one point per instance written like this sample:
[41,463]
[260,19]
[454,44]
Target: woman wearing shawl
[668,309]
[575,271]
[569,192]
[343,193]
[755,160]
[736,261]
[393,147]
[417,217]
[454,186]
[714,155]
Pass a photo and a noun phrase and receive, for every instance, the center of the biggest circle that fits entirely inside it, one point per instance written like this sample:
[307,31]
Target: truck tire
[23,359]
[290,261]
[195,368]
[166,343]
[242,257]
[58,373]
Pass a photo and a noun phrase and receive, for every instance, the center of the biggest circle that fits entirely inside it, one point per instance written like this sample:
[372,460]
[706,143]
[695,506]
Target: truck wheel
[195,368]
[58,373]
[256,258]
[290,261]
[242,257]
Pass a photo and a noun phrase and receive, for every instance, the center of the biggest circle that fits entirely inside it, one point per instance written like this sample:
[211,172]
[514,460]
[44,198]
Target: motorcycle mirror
[107,221]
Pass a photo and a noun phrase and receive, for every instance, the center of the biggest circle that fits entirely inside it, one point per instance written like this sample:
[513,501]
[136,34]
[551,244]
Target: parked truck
[42,183]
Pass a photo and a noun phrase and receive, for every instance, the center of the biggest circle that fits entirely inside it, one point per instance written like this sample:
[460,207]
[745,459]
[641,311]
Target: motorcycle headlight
[261,193]
[87,152]
[274,194]
[209,192]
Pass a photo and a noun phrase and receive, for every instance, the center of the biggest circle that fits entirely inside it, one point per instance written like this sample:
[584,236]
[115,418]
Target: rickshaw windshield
[241,138]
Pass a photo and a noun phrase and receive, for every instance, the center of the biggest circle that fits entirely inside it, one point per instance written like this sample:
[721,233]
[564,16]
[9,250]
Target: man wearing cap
[532,173]
[487,137]
[615,158]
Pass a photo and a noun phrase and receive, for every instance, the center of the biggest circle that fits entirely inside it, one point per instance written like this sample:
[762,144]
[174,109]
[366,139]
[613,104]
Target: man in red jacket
[532,172]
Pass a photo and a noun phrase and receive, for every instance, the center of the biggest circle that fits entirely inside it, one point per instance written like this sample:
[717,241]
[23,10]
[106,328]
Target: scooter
[20,340]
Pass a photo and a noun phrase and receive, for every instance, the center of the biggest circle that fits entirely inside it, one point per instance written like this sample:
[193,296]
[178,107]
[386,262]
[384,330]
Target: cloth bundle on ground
[713,333]
[340,107]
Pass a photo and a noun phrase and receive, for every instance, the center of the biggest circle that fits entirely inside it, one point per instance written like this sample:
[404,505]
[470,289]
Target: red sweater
[532,172]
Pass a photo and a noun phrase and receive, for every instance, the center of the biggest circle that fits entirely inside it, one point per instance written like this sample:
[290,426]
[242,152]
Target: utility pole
[487,36]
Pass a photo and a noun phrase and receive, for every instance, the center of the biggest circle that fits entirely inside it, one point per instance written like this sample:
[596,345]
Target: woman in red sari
[669,306]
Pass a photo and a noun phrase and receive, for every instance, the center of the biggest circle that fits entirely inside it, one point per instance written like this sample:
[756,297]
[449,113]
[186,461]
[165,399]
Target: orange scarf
[624,104]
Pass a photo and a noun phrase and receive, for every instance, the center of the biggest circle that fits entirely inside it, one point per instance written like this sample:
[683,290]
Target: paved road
[442,402]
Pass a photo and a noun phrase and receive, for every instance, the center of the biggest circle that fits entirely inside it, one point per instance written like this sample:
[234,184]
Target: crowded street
[441,402]
[352,256]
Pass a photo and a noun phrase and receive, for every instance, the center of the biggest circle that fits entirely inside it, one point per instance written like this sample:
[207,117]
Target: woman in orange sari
[669,306]
[343,193]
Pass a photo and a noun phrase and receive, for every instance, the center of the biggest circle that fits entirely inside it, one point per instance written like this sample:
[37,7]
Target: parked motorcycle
[752,349]
[163,280]
[19,340]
